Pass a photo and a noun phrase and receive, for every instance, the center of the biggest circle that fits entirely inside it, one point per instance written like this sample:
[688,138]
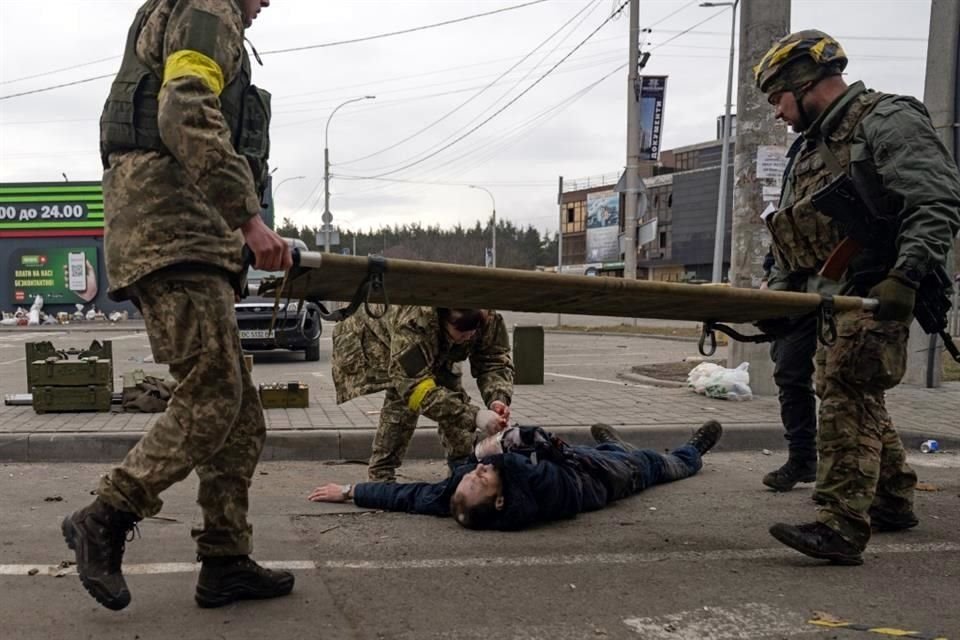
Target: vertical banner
[652,92]
[603,226]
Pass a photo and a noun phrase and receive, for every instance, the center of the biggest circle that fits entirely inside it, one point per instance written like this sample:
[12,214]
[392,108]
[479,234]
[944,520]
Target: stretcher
[324,277]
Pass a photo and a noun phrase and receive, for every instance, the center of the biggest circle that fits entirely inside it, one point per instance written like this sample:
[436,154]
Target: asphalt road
[688,561]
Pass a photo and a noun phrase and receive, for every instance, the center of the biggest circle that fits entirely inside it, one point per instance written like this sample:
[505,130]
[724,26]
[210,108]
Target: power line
[273,51]
[404,31]
[503,139]
[56,86]
[512,101]
[478,93]
[52,71]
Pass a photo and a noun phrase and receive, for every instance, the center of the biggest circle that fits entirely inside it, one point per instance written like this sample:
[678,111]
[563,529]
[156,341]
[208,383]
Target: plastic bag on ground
[33,317]
[715,381]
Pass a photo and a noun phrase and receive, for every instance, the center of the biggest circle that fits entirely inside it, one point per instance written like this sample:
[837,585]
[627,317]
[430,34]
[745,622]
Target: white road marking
[619,383]
[501,561]
[744,622]
[12,361]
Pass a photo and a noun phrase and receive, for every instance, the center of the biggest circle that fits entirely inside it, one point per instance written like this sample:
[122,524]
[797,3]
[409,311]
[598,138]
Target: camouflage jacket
[184,204]
[407,350]
[897,161]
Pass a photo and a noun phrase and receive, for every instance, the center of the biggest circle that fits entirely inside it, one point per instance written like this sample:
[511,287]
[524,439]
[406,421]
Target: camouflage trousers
[213,422]
[395,430]
[862,460]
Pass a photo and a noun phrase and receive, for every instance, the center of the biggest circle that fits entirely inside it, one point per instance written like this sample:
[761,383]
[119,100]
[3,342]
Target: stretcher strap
[372,283]
[826,330]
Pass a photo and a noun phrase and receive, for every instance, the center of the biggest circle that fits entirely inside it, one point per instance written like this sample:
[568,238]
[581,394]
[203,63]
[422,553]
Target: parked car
[297,326]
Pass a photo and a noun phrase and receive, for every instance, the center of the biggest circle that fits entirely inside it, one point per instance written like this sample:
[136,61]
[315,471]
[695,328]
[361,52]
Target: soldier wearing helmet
[886,146]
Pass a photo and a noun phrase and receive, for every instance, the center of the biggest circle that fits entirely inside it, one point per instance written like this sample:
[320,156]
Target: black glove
[897,295]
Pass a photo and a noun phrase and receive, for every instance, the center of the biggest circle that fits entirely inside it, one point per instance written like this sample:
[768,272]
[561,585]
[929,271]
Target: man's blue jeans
[624,473]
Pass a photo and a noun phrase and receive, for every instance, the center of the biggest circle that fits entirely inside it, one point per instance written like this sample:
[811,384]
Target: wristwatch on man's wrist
[346,492]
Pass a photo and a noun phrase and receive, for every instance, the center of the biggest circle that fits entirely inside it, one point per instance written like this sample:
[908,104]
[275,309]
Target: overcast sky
[555,129]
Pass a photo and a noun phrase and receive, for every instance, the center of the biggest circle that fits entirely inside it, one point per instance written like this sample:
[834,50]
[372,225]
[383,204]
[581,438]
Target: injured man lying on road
[525,475]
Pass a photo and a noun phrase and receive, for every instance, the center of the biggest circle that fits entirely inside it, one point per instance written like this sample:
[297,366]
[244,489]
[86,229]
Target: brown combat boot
[817,540]
[98,536]
[227,579]
[605,434]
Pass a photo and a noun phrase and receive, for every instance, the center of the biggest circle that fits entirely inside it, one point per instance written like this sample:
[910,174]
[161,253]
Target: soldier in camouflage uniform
[414,354]
[184,147]
[887,145]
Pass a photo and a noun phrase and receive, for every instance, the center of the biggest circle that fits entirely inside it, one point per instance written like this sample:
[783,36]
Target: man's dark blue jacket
[547,482]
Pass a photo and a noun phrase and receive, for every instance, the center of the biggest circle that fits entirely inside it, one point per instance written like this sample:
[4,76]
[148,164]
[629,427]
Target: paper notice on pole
[771,194]
[766,212]
[771,161]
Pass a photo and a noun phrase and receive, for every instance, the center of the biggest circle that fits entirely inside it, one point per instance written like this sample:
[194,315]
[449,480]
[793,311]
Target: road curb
[354,444]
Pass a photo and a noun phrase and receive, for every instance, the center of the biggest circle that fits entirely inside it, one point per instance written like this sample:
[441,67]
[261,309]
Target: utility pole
[762,22]
[327,217]
[940,96]
[632,181]
[560,233]
[721,233]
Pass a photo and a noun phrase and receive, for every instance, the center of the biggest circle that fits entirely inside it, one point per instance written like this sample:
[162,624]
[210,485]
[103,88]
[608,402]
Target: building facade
[676,226]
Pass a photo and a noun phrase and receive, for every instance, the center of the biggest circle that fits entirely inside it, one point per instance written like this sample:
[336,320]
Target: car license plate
[255,334]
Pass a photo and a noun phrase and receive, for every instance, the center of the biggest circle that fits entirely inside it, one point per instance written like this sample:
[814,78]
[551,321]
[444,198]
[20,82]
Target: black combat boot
[98,535]
[605,434]
[793,471]
[888,521]
[706,437]
[817,540]
[227,579]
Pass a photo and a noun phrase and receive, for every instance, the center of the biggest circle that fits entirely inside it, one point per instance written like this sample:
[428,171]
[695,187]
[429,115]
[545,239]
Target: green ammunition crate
[69,399]
[291,395]
[53,372]
[43,350]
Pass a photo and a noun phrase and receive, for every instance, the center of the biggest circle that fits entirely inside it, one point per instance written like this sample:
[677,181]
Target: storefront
[51,245]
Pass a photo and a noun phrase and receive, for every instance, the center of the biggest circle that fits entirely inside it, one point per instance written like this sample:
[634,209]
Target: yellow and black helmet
[824,57]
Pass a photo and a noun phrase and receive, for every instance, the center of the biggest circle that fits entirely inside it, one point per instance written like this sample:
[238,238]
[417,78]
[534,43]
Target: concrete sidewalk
[581,387]
[565,404]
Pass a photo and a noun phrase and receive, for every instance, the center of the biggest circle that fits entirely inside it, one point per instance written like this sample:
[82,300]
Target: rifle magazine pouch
[254,139]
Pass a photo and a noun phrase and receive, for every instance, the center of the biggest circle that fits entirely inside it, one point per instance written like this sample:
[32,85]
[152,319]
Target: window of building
[663,240]
[576,217]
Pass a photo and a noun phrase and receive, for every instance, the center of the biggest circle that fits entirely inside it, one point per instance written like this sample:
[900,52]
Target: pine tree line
[517,248]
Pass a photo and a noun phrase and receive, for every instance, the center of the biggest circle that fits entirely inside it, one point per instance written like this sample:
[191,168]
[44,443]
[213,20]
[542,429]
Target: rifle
[841,201]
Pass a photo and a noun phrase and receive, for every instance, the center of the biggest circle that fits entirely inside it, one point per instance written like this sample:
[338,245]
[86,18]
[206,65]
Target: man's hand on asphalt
[271,252]
[331,492]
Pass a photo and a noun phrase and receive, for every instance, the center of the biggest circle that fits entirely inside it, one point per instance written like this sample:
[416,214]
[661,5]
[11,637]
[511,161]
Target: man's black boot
[227,579]
[887,521]
[605,434]
[817,540]
[706,437]
[793,471]
[98,535]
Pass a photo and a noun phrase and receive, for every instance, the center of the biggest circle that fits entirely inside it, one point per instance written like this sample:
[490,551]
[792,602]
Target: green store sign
[34,206]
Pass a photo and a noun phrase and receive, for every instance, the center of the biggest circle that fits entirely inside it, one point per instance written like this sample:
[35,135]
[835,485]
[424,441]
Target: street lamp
[276,189]
[327,216]
[493,232]
[725,151]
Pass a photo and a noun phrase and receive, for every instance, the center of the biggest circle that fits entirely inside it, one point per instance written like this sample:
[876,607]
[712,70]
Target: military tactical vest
[129,119]
[803,237]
